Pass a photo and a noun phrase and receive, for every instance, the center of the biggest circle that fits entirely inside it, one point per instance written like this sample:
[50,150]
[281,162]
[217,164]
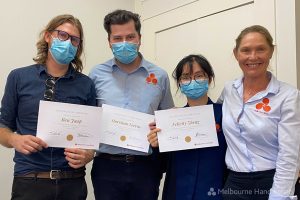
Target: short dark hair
[190,59]
[121,17]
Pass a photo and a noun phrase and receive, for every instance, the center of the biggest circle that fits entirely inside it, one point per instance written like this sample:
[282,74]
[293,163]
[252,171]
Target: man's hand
[78,157]
[26,144]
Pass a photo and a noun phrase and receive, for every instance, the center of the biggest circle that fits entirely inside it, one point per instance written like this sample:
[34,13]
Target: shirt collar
[143,64]
[70,73]
[209,102]
[273,86]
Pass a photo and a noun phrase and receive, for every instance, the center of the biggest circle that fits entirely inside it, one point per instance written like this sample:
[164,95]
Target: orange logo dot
[266,101]
[154,81]
[148,79]
[267,108]
[218,127]
[259,106]
[152,75]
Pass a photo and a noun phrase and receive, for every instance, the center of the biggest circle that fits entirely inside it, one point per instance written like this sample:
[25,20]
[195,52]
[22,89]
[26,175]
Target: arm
[6,136]
[25,144]
[221,97]
[167,100]
[9,108]
[287,164]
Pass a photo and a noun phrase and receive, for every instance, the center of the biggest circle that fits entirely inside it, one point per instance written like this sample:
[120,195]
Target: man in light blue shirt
[128,81]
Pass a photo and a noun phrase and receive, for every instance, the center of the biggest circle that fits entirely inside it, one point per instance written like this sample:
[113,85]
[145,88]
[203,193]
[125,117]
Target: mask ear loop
[49,46]
[53,38]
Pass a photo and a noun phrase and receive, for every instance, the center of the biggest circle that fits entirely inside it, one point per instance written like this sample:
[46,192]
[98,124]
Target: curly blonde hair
[42,45]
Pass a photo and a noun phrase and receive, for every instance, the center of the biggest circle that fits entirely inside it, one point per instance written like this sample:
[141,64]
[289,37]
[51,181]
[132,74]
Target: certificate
[186,128]
[69,125]
[125,128]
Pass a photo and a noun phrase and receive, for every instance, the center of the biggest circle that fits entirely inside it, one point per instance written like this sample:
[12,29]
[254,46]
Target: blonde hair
[42,45]
[256,29]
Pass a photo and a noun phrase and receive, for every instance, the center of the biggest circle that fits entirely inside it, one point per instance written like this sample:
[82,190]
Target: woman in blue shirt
[195,174]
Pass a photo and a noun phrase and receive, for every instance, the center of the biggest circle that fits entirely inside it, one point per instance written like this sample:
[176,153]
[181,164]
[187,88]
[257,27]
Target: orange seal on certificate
[123,138]
[70,137]
[188,139]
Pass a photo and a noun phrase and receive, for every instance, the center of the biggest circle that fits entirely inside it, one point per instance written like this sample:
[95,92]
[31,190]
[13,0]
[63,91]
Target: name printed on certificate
[69,125]
[186,128]
[125,128]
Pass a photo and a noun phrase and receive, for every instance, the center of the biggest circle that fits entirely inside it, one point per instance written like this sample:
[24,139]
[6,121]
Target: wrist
[11,140]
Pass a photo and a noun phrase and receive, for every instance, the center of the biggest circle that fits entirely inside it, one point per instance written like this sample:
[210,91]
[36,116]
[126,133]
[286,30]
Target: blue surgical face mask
[63,52]
[195,89]
[125,52]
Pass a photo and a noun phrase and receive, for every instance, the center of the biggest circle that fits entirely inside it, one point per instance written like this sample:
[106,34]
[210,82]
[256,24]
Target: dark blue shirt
[25,87]
[197,174]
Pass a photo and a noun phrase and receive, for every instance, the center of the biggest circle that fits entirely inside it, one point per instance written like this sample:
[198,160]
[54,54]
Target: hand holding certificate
[69,125]
[77,126]
[125,128]
[186,128]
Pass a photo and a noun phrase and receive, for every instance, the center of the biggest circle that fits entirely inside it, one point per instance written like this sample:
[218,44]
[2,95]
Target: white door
[207,27]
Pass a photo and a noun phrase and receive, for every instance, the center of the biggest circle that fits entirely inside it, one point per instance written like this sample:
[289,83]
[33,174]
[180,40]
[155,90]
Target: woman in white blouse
[261,123]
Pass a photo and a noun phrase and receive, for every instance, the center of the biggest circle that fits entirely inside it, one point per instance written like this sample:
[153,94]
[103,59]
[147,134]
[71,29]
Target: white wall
[207,27]
[21,22]
[298,41]
[286,35]
[180,27]
[204,38]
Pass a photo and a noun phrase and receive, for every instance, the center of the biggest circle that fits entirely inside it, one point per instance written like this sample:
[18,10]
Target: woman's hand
[152,136]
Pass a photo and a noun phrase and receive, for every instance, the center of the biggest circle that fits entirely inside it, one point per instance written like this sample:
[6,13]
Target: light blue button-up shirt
[136,91]
[264,133]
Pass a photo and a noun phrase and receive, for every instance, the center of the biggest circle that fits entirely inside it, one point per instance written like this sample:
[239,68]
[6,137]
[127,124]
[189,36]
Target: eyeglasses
[63,36]
[49,92]
[186,79]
